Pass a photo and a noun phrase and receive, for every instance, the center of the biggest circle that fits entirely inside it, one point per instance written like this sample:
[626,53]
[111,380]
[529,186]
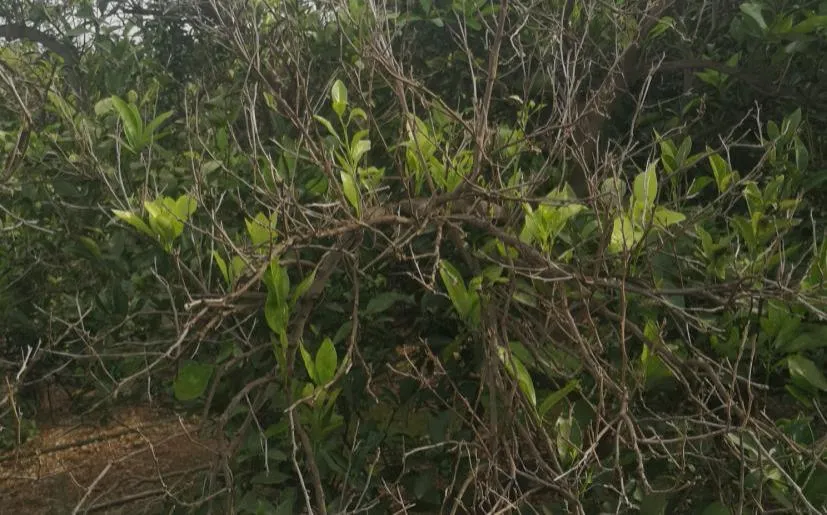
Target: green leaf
[802,156]
[568,439]
[338,97]
[326,361]
[327,125]
[667,22]
[721,171]
[281,281]
[185,206]
[135,221]
[791,123]
[810,24]
[103,107]
[132,123]
[192,380]
[772,130]
[382,302]
[91,246]
[646,186]
[554,398]
[308,363]
[754,11]
[518,371]
[453,282]
[302,287]
[237,266]
[359,150]
[222,266]
[356,112]
[152,126]
[664,217]
[276,313]
[261,229]
[624,235]
[351,191]
[805,369]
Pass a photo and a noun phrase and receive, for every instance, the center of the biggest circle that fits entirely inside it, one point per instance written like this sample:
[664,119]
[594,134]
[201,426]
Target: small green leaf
[791,123]
[382,302]
[132,123]
[152,126]
[338,97]
[459,296]
[356,112]
[135,221]
[185,206]
[91,246]
[754,11]
[327,125]
[624,234]
[568,438]
[802,156]
[359,150]
[351,191]
[646,186]
[810,24]
[261,229]
[308,363]
[667,22]
[222,266]
[237,266]
[772,130]
[805,369]
[326,361]
[721,171]
[554,398]
[276,313]
[103,107]
[518,371]
[302,287]
[192,380]
[665,217]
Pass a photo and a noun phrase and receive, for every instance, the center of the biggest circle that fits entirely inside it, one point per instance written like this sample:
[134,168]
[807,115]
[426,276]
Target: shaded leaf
[382,302]
[805,369]
[753,10]
[192,380]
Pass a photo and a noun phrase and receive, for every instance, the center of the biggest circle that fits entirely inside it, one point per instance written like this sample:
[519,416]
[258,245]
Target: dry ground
[129,464]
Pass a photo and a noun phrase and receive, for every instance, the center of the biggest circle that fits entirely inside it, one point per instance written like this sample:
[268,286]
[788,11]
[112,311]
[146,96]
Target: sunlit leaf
[222,267]
[338,97]
[309,365]
[135,221]
[351,191]
[646,186]
[326,361]
[664,217]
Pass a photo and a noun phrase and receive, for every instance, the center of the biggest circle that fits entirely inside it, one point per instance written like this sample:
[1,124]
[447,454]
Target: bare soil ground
[134,462]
